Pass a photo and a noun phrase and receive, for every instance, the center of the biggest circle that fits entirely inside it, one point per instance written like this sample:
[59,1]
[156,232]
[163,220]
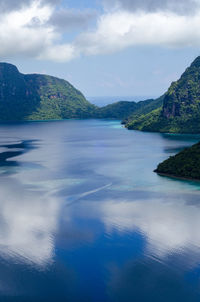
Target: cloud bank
[180,7]
[44,29]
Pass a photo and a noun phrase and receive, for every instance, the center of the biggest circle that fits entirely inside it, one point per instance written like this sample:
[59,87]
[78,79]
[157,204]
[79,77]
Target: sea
[83,217]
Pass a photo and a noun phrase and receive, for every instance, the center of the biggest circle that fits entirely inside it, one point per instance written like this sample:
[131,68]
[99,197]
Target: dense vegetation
[118,110]
[180,112]
[143,109]
[185,164]
[58,99]
[125,110]
[39,97]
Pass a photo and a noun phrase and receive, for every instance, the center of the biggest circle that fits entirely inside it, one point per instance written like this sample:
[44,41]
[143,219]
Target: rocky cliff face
[180,112]
[38,97]
[183,96]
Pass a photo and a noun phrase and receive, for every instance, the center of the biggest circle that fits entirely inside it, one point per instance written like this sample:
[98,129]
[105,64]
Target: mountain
[39,97]
[180,112]
[185,164]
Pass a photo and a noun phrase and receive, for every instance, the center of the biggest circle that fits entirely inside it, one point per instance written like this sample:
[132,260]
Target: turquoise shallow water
[84,218]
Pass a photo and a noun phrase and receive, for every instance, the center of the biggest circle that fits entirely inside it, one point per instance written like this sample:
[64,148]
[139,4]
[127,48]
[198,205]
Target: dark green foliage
[39,97]
[183,96]
[126,110]
[17,99]
[185,164]
[58,99]
[180,112]
[143,108]
[119,110]
[154,122]
[144,122]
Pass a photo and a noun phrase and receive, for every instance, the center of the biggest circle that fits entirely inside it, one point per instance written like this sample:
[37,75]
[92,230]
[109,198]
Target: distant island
[185,164]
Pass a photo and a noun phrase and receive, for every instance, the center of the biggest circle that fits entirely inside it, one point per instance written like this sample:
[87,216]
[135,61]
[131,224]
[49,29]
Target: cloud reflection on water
[168,227]
[28,221]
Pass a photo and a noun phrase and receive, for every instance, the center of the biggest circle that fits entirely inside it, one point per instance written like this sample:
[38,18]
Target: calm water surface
[83,217]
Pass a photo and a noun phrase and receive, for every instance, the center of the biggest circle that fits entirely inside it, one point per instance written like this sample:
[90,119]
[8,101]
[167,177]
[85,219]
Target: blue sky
[104,48]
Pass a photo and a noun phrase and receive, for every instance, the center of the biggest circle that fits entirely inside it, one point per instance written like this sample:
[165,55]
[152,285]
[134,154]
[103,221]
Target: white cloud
[36,30]
[59,53]
[27,32]
[18,38]
[121,29]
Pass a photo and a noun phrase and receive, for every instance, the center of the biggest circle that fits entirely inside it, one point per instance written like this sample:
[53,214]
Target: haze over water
[84,218]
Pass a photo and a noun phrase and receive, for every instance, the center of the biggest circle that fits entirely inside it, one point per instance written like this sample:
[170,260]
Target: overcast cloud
[36,28]
[180,7]
[68,19]
[13,5]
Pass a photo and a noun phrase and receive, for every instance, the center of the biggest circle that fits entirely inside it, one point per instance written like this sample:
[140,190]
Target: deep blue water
[83,217]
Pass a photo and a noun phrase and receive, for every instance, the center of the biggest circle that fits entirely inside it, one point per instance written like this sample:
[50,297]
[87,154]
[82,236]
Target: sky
[124,48]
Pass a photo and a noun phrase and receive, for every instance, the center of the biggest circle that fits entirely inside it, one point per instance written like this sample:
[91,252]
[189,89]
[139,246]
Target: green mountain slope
[39,97]
[185,164]
[180,112]
[143,108]
[125,111]
[58,99]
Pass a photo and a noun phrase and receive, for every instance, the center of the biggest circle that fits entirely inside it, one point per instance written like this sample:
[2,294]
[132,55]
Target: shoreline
[177,177]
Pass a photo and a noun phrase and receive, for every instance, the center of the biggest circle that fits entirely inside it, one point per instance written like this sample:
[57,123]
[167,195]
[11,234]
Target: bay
[84,218]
